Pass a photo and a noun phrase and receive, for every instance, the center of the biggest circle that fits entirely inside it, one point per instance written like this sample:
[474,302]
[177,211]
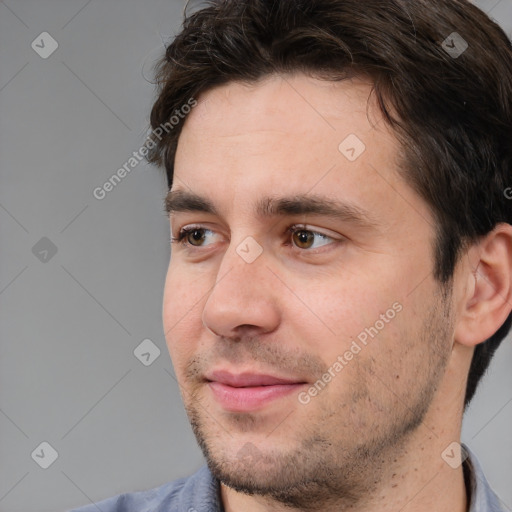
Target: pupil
[196,235]
[304,237]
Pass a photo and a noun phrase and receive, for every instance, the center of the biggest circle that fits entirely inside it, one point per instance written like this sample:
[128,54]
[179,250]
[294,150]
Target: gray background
[69,325]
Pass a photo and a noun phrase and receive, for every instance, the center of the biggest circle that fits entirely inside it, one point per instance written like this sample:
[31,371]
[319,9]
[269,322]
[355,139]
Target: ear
[486,300]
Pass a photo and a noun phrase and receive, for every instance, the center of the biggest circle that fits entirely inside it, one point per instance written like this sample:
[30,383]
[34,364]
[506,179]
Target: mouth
[249,391]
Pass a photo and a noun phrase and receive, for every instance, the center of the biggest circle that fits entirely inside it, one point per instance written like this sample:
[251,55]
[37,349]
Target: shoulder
[182,494]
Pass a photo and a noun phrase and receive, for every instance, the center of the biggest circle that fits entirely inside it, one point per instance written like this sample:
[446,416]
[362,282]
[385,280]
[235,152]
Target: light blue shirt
[200,492]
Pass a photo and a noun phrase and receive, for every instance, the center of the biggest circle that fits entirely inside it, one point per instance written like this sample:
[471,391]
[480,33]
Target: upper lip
[249,379]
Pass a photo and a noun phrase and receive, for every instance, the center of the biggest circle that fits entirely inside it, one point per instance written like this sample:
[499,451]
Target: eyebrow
[184,201]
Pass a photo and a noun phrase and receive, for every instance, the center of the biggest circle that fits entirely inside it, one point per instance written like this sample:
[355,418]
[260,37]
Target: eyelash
[184,232]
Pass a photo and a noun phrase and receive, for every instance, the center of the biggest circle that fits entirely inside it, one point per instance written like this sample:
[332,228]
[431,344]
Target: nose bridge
[240,273]
[242,292]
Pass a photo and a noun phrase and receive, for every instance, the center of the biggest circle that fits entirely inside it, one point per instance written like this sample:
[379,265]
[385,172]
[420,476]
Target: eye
[303,238]
[196,232]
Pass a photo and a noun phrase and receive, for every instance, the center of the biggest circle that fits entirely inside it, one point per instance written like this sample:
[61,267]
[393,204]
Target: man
[341,269]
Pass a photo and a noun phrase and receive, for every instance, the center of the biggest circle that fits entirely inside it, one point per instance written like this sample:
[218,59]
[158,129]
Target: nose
[243,297]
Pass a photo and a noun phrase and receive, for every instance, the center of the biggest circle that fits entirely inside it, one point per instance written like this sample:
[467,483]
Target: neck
[417,480]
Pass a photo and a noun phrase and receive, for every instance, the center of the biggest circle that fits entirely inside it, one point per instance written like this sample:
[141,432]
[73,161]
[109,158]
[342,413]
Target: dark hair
[451,113]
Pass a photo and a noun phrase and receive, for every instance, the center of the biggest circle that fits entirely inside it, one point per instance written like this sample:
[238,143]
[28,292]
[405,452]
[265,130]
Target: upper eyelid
[305,227]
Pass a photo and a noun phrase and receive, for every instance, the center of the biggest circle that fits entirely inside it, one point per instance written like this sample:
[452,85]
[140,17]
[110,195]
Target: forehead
[293,134]
[310,101]
[293,125]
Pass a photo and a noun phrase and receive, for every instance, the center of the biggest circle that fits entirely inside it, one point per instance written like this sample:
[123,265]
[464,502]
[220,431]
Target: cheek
[361,323]
[182,292]
[181,313]
[342,309]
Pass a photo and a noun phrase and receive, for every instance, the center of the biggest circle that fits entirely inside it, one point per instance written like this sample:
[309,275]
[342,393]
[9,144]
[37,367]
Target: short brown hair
[453,112]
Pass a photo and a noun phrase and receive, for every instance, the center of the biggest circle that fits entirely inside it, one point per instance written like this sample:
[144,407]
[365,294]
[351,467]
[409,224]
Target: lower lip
[249,398]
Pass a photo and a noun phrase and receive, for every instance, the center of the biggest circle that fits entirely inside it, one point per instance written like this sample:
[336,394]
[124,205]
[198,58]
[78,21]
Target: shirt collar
[480,495]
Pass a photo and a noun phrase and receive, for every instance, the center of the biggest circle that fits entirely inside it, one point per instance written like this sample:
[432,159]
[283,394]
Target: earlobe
[487,301]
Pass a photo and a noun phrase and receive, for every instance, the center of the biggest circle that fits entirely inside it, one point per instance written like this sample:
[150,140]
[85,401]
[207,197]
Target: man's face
[344,308]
